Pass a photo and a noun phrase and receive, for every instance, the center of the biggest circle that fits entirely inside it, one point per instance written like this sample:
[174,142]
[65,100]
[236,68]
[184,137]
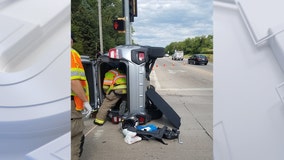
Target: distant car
[167,55]
[198,59]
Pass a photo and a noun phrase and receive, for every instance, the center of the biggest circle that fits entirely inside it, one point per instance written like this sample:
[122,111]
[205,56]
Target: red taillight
[138,56]
[141,120]
[141,56]
[113,53]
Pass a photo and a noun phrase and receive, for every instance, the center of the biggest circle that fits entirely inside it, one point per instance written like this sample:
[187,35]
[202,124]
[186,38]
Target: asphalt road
[188,89]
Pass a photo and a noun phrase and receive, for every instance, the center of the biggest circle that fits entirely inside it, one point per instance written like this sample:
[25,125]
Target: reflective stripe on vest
[120,79]
[113,79]
[78,73]
[122,87]
[109,77]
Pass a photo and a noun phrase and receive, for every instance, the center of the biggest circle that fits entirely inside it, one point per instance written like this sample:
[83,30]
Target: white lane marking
[90,130]
[175,71]
[154,79]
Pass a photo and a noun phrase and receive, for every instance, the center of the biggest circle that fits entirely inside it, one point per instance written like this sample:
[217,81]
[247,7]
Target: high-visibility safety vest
[114,80]
[78,73]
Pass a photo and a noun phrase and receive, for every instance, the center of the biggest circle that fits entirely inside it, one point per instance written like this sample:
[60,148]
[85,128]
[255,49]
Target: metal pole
[100,26]
[127,22]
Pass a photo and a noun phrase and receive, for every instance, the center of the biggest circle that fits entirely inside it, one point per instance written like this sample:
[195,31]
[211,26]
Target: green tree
[199,44]
[85,25]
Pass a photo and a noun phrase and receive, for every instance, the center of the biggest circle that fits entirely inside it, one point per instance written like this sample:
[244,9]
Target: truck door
[91,72]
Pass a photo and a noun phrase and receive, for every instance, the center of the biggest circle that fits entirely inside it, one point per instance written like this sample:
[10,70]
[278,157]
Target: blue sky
[161,22]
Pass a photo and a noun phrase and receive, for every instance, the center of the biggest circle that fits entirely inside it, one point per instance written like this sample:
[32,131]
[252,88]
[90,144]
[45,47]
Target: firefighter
[79,103]
[114,86]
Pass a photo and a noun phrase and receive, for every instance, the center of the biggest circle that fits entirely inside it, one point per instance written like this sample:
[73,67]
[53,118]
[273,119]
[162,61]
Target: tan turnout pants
[110,101]
[77,127]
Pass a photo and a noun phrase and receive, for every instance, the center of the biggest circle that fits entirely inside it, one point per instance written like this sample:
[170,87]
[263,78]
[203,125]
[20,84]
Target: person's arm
[77,88]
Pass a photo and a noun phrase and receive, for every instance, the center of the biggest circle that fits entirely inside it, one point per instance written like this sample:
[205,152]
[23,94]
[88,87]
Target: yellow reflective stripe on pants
[99,121]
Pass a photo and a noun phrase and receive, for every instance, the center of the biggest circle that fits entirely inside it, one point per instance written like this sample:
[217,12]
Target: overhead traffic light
[118,24]
[132,10]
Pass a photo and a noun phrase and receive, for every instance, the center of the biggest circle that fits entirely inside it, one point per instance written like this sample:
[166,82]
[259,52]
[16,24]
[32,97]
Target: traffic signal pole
[127,23]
